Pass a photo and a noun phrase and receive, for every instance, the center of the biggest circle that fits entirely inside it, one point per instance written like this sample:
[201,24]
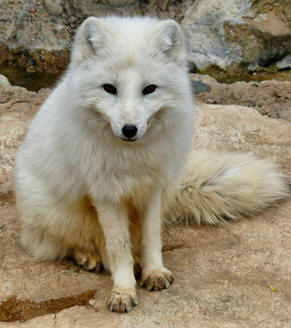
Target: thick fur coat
[106,157]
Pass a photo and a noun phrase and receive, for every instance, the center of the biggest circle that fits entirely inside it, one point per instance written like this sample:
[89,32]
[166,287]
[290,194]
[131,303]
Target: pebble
[72,19]
[92,302]
[32,10]
[199,87]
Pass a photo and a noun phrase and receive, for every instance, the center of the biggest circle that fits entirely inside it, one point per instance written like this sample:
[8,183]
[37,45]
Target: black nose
[129,130]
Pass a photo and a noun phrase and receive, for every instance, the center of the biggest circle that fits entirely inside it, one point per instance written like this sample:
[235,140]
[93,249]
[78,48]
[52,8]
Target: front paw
[122,299]
[156,279]
[88,261]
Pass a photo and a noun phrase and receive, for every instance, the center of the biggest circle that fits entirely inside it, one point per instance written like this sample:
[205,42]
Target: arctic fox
[105,158]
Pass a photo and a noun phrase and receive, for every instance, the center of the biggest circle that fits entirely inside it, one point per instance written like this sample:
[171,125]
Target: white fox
[104,159]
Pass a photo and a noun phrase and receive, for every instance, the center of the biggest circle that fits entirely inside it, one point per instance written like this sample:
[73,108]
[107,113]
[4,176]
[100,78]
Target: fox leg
[114,221]
[154,275]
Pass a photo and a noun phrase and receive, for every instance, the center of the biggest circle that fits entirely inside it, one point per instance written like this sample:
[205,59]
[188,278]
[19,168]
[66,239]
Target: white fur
[72,157]
[217,187]
[82,190]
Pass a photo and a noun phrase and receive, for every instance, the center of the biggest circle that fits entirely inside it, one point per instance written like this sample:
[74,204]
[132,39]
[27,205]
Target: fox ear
[170,39]
[89,39]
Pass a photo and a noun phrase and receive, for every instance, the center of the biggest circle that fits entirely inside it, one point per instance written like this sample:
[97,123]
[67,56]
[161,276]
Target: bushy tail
[221,186]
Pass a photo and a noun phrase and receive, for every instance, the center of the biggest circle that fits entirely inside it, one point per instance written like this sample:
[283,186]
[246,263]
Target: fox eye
[149,89]
[109,88]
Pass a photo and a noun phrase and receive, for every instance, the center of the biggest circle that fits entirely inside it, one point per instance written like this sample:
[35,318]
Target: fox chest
[120,174]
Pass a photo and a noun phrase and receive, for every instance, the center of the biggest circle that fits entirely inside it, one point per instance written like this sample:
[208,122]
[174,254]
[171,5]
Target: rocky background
[230,40]
[232,276]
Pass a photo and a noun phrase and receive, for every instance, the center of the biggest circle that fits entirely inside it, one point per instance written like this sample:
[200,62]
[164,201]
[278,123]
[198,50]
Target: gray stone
[204,29]
[284,63]
[199,87]
[229,35]
[4,81]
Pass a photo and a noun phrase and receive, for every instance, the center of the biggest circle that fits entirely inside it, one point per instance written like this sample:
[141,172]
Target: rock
[72,19]
[174,9]
[271,98]
[284,63]
[54,6]
[35,47]
[191,67]
[32,10]
[120,2]
[203,78]
[12,130]
[232,39]
[4,81]
[234,275]
[199,87]
[204,29]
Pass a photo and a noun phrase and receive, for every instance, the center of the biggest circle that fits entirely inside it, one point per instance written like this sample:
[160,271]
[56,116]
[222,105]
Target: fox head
[131,72]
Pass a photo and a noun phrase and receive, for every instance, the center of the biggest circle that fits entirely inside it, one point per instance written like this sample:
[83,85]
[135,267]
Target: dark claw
[145,283]
[99,267]
[137,270]
[132,302]
[85,263]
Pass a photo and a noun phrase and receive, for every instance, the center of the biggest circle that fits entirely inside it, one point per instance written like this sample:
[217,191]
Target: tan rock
[270,98]
[235,275]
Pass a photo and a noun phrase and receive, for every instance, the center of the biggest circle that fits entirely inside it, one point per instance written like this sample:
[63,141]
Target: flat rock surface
[235,275]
